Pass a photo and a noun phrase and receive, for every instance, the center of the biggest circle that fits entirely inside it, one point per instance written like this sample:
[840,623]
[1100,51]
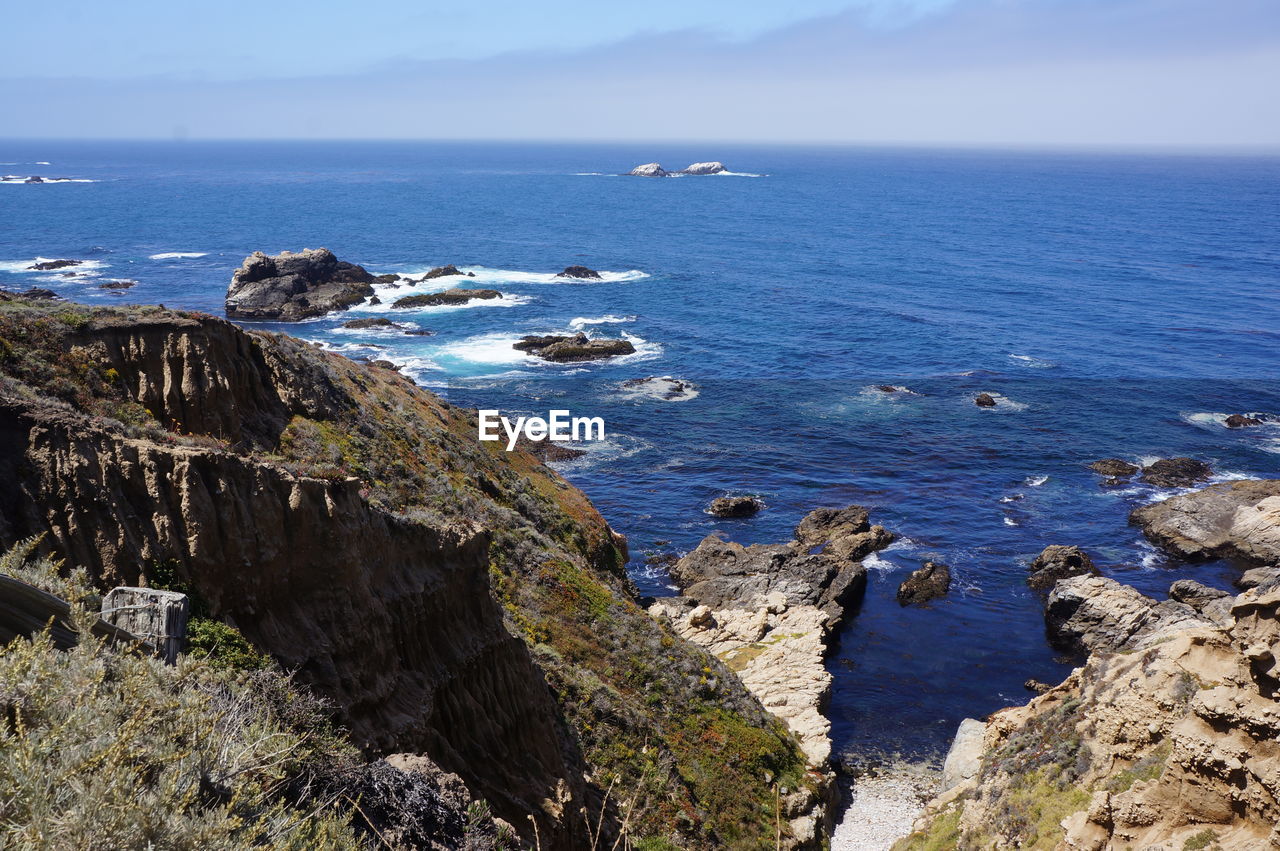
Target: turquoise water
[1119,305]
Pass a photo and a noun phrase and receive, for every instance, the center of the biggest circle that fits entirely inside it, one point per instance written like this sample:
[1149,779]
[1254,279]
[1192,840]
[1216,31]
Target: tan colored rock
[1227,520]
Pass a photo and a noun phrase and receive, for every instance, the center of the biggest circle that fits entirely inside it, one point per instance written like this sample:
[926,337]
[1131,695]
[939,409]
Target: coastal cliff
[450,599]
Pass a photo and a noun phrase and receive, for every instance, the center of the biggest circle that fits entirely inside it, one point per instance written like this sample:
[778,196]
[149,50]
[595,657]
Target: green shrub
[223,646]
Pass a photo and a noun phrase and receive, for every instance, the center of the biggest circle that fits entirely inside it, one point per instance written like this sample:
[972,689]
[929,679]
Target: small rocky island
[453,296]
[656,170]
[288,287]
[566,348]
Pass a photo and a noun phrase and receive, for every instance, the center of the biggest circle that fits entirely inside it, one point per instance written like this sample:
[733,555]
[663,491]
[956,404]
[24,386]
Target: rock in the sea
[442,272]
[1242,421]
[984,400]
[50,265]
[1114,467]
[419,332]
[117,284]
[1176,473]
[372,322]
[704,168]
[1239,520]
[581,272]
[649,170]
[451,296]
[548,451]
[664,388]
[386,279]
[289,287]
[735,506]
[573,348]
[39,292]
[1037,686]
[1058,562]
[1085,614]
[928,582]
[842,533]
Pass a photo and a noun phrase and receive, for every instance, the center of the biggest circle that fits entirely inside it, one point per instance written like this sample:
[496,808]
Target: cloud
[1069,72]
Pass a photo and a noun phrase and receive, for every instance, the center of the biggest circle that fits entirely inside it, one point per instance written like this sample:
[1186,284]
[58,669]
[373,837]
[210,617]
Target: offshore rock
[573,348]
[704,168]
[1176,473]
[1236,520]
[1114,467]
[649,170]
[289,287]
[581,272]
[735,506]
[452,296]
[928,582]
[1241,421]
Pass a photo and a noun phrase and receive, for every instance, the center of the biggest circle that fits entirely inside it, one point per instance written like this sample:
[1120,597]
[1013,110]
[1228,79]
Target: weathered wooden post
[157,617]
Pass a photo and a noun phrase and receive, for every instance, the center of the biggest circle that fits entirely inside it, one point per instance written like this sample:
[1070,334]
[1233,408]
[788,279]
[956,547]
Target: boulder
[386,279]
[118,284]
[442,272]
[289,287]
[1087,614]
[446,297]
[50,265]
[964,758]
[39,292]
[1176,473]
[926,583]
[1197,595]
[573,348]
[842,533]
[984,400]
[735,506]
[1242,421]
[372,322]
[1239,520]
[1114,467]
[1058,562]
[704,168]
[649,170]
[419,332]
[1260,577]
[581,272]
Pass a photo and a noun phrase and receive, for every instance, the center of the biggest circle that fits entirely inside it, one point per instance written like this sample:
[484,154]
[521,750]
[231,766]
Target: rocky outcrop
[1235,520]
[566,348]
[1058,562]
[1092,613]
[768,612]
[984,400]
[928,582]
[1114,467]
[649,170]
[664,388]
[580,272]
[1171,747]
[50,265]
[1176,473]
[449,598]
[735,506]
[289,287]
[372,322]
[118,284]
[1241,421]
[452,296]
[443,272]
[704,168]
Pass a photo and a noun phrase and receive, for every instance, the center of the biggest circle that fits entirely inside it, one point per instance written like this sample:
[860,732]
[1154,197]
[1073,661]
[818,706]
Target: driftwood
[160,618]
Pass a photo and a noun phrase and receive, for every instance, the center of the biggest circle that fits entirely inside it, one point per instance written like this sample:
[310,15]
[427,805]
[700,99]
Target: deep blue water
[1119,303]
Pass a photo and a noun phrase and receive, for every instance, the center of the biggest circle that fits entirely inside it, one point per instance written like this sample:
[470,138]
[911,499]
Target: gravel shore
[882,803]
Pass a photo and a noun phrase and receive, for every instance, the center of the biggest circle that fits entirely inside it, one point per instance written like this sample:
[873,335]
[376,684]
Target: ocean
[1115,305]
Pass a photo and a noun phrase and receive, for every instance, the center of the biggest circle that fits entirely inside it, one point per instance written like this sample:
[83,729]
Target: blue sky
[978,72]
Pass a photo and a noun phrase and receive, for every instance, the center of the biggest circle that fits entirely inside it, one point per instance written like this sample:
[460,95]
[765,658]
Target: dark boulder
[39,292]
[984,400]
[548,451]
[119,284]
[573,348]
[929,582]
[442,272]
[1197,595]
[418,332]
[372,322]
[842,533]
[1114,467]
[735,506]
[386,279]
[446,297]
[1176,473]
[1058,562]
[1242,421]
[579,272]
[50,265]
[289,287]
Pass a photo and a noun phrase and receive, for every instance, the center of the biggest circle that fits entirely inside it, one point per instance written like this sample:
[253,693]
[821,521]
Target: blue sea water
[1119,305]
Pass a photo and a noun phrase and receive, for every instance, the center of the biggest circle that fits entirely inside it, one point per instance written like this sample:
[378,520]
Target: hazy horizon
[1111,75]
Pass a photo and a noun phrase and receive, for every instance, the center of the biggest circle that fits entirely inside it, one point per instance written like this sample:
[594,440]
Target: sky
[1057,73]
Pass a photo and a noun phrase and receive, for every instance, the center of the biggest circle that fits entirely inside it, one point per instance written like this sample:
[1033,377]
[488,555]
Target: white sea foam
[661,389]
[483,274]
[1036,481]
[21,180]
[178,255]
[84,269]
[491,349]
[736,174]
[1032,362]
[507,300]
[874,562]
[1009,521]
[581,322]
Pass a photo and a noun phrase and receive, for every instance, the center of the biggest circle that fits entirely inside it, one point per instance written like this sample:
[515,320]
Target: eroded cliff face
[449,598]
[1173,744]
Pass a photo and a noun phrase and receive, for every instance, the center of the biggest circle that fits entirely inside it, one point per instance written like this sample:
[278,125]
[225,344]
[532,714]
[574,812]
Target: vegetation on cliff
[656,739]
